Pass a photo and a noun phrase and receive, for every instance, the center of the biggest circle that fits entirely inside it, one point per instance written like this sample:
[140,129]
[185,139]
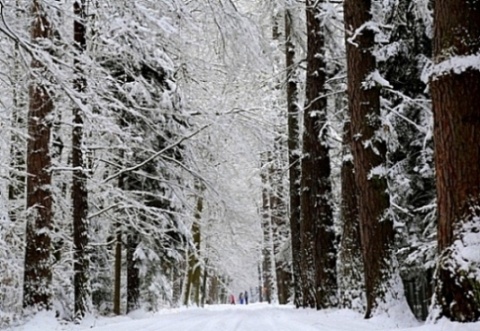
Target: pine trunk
[456,100]
[204,286]
[369,152]
[318,236]
[118,271]
[266,228]
[197,271]
[79,185]
[213,293]
[194,270]
[279,226]
[260,283]
[133,274]
[273,239]
[38,262]
[293,159]
[351,280]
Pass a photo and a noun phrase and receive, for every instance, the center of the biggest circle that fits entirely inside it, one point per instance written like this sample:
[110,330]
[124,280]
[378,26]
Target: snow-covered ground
[254,317]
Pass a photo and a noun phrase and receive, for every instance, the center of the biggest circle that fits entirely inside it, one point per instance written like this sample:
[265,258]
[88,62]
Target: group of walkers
[242,298]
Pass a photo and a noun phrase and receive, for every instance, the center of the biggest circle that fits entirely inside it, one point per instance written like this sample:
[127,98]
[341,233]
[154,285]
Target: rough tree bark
[194,270]
[293,158]
[117,270]
[456,100]
[268,281]
[117,281]
[279,223]
[318,236]
[133,273]
[274,205]
[368,153]
[350,274]
[197,271]
[79,185]
[37,272]
[204,284]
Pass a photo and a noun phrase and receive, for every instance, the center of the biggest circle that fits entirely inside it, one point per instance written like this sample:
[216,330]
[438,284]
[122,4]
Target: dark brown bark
[79,184]
[318,236]
[38,273]
[133,274]
[456,98]
[368,152]
[118,271]
[351,282]
[293,158]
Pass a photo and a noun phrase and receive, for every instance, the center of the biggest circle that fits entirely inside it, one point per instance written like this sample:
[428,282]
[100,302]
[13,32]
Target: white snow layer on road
[253,317]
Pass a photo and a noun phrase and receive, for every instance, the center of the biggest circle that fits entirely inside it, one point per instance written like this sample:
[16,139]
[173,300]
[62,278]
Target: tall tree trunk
[176,280]
[133,273]
[194,270]
[456,100]
[260,283]
[273,238]
[318,235]
[293,158]
[79,185]
[369,152]
[279,223]
[38,263]
[204,285]
[350,274]
[266,228]
[213,293]
[117,281]
[118,271]
[277,204]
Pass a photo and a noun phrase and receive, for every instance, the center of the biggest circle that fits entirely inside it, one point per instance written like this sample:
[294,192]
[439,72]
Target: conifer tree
[37,290]
[79,186]
[293,156]
[369,152]
[455,87]
[318,235]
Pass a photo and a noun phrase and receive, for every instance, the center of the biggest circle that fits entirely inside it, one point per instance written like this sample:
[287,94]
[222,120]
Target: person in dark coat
[245,296]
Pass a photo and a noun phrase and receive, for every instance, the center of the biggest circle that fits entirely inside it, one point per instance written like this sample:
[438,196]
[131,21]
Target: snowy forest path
[253,317]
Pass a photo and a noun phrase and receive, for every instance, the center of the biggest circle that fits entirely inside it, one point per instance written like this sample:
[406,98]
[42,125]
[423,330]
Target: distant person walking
[246,297]
[232,299]
[240,298]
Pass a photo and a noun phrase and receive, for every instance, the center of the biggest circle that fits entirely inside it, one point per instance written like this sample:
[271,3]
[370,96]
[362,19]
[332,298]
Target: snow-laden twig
[141,164]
